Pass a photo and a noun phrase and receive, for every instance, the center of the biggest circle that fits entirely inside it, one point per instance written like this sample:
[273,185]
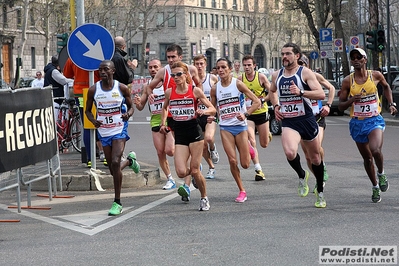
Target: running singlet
[206,86]
[257,89]
[183,106]
[316,106]
[230,101]
[369,104]
[293,105]
[109,109]
[157,105]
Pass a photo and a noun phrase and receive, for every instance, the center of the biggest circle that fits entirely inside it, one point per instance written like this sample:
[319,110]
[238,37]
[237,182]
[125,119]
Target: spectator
[38,82]
[124,68]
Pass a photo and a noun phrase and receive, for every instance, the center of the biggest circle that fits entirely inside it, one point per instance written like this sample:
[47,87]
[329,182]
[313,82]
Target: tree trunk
[373,24]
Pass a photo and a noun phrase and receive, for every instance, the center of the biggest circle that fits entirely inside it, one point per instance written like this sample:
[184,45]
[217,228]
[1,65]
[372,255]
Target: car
[4,85]
[23,82]
[395,90]
[393,75]
[334,105]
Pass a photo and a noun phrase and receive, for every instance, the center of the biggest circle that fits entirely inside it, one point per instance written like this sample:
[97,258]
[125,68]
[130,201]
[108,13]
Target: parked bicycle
[69,126]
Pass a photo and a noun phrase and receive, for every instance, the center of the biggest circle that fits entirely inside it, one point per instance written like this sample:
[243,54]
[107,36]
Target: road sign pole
[92,131]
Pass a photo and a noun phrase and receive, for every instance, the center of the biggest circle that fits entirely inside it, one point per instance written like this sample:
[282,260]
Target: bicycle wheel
[76,133]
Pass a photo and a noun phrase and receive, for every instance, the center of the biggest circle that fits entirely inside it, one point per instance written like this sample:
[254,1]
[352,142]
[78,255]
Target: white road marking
[85,224]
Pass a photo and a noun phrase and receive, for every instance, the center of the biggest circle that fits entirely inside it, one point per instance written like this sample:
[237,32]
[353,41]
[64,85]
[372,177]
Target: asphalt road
[274,227]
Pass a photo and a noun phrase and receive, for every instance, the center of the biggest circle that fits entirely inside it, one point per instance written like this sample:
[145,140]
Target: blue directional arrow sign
[314,55]
[90,44]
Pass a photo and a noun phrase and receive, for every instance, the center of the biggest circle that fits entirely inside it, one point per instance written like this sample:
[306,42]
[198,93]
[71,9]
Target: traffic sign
[326,35]
[89,44]
[314,55]
[354,42]
[338,45]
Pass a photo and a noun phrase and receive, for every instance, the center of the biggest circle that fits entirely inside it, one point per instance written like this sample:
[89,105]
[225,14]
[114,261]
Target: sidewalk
[76,176]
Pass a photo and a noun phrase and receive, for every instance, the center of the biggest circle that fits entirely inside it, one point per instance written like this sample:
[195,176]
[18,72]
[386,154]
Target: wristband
[276,105]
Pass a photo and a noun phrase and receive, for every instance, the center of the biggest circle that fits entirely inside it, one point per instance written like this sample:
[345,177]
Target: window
[216,21]
[141,17]
[33,57]
[19,19]
[5,19]
[236,22]
[32,18]
[235,4]
[205,21]
[212,21]
[201,18]
[222,22]
[172,20]
[244,23]
[195,20]
[135,51]
[203,3]
[160,19]
[193,49]
[162,51]
[236,48]
[224,4]
[247,49]
[190,19]
[213,4]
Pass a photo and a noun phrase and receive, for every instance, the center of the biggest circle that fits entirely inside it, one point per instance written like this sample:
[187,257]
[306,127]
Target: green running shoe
[376,197]
[135,166]
[184,192]
[116,209]
[383,182]
[320,200]
[303,188]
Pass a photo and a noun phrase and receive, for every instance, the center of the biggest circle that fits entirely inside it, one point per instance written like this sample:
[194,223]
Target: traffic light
[371,40]
[62,40]
[380,40]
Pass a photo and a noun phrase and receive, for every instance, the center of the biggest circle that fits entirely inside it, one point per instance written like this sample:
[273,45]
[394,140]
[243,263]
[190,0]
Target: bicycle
[69,126]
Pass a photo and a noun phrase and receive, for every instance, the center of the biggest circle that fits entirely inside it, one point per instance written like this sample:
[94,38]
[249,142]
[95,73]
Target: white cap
[360,51]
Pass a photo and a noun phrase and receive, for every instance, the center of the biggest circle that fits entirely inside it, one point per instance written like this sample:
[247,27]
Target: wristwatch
[246,115]
[328,104]
[392,104]
[301,92]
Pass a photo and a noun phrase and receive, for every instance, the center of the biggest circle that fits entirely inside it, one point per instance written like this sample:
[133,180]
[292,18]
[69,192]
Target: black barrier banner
[27,128]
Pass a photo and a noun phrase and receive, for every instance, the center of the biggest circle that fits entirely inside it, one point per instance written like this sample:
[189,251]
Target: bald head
[119,42]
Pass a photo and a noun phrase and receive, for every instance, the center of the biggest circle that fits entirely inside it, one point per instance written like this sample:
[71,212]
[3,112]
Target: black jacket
[58,89]
[123,73]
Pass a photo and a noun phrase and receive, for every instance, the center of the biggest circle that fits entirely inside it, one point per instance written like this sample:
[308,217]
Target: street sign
[326,35]
[314,55]
[338,45]
[90,44]
[354,42]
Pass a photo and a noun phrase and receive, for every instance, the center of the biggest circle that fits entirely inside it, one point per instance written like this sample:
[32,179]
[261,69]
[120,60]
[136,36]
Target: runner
[114,108]
[209,152]
[228,96]
[189,140]
[163,143]
[259,119]
[291,89]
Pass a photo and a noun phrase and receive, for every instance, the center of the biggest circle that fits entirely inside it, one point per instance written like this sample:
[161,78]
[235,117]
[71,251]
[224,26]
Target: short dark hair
[229,64]
[249,57]
[54,60]
[295,48]
[175,47]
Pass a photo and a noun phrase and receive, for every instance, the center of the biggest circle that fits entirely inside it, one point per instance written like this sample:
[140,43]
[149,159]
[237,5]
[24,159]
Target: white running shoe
[210,174]
[170,184]
[214,155]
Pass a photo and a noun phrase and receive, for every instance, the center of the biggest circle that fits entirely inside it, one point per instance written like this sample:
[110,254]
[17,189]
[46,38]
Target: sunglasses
[178,74]
[358,57]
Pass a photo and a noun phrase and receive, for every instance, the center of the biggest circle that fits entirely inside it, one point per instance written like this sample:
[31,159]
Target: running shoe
[242,197]
[383,182]
[376,197]
[102,156]
[270,137]
[184,192]
[204,204]
[214,155]
[259,176]
[251,150]
[116,209]
[303,188]
[320,200]
[210,174]
[134,165]
[325,176]
[193,179]
[105,162]
[89,164]
[170,184]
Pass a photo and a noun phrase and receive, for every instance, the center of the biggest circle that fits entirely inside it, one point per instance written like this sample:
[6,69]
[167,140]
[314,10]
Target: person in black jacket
[54,77]
[124,68]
